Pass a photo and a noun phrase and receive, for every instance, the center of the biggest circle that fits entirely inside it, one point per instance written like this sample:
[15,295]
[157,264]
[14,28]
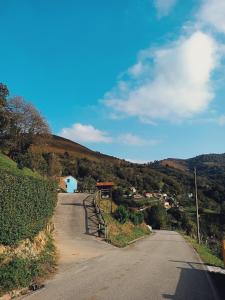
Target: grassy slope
[205,253]
[121,235]
[8,165]
[20,272]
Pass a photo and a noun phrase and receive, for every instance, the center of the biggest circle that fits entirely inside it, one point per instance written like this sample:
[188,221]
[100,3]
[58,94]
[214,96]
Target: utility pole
[196,200]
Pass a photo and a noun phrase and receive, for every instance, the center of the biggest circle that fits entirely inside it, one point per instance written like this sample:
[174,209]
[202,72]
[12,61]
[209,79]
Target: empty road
[161,266]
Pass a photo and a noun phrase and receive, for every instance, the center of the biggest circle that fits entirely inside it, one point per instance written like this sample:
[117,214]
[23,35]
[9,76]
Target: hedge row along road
[26,205]
[161,266]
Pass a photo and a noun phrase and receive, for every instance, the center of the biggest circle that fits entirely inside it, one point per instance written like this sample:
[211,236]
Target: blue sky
[138,79]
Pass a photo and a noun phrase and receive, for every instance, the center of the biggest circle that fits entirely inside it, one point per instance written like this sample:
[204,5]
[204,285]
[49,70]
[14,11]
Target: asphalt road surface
[161,266]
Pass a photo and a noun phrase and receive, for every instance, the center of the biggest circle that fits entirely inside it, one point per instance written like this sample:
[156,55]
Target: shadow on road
[73,204]
[91,221]
[196,285]
[219,283]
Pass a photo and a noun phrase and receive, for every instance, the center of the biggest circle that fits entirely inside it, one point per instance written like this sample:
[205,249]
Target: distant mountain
[211,166]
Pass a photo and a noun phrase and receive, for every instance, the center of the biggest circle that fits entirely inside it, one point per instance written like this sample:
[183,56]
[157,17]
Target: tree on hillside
[4,115]
[27,124]
[4,93]
[54,165]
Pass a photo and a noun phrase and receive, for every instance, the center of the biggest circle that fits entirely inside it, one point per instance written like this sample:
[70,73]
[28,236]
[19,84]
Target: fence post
[223,251]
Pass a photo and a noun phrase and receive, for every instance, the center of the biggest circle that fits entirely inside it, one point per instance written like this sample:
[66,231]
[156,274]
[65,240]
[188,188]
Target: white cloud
[164,7]
[221,120]
[137,69]
[212,13]
[218,120]
[134,140]
[175,84]
[85,134]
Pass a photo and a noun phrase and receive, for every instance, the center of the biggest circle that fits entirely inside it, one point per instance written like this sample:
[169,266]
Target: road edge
[205,267]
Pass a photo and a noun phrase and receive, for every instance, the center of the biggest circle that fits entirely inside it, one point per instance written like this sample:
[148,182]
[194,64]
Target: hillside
[60,145]
[58,156]
[209,166]
[206,164]
[8,165]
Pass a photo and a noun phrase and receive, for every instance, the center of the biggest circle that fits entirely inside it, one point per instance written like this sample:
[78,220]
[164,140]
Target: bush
[157,217]
[26,204]
[137,218]
[117,196]
[20,272]
[121,214]
[17,273]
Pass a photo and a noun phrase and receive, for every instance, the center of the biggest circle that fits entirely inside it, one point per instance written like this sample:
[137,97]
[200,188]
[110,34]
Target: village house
[133,189]
[167,205]
[68,184]
[148,195]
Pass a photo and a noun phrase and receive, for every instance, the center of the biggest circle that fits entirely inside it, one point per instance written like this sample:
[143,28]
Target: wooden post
[106,232]
[196,202]
[223,251]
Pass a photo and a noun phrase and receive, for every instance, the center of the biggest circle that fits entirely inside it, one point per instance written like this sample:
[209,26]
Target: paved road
[162,266]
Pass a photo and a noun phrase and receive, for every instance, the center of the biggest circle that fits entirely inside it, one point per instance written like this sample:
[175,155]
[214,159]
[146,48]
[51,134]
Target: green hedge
[26,204]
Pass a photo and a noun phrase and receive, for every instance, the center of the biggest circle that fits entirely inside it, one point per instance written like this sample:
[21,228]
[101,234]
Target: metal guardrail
[102,223]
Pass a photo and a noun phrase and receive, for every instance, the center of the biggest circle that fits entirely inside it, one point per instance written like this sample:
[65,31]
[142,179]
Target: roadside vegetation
[182,219]
[18,274]
[121,235]
[124,225]
[26,204]
[205,253]
[27,199]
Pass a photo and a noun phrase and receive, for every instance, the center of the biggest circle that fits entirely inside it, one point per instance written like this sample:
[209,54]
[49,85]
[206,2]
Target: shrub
[121,214]
[26,204]
[117,196]
[17,273]
[137,218]
[157,217]
[20,272]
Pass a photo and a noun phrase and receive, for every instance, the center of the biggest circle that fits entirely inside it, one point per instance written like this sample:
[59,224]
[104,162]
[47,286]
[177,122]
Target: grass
[19,272]
[205,253]
[106,205]
[6,164]
[192,210]
[121,235]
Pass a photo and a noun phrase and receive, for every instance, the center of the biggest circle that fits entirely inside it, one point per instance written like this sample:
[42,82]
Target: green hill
[8,165]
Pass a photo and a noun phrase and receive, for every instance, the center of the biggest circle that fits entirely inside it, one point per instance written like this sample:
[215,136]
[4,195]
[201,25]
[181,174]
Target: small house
[148,195]
[68,183]
[167,205]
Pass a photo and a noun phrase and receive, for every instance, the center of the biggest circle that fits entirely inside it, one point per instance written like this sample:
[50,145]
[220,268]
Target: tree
[117,195]
[4,93]
[4,115]
[54,165]
[27,125]
[137,217]
[157,216]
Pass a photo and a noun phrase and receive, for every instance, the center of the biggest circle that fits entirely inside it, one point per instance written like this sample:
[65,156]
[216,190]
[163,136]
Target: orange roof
[105,184]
